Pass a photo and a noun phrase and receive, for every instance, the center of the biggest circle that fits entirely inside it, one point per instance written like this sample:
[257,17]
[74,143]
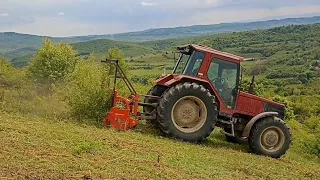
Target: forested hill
[286,51]
[282,45]
[258,43]
[13,45]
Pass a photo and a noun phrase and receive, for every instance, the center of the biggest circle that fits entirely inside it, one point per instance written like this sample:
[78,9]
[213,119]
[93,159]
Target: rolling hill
[261,44]
[11,43]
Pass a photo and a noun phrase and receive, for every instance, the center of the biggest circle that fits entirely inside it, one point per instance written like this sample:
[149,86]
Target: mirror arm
[251,88]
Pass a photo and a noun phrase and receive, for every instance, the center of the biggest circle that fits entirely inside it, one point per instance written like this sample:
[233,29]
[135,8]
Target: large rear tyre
[188,112]
[270,137]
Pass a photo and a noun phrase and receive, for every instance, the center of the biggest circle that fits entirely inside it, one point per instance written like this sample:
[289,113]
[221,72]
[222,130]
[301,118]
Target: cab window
[224,77]
[190,64]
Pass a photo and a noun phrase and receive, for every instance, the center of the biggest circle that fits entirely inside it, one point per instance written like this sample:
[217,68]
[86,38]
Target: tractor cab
[224,75]
[219,71]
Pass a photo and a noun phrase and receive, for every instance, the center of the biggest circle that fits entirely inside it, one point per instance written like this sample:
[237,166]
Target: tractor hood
[173,79]
[254,105]
[163,80]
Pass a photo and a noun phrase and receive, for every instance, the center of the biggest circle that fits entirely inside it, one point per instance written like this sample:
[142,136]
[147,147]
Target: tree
[89,83]
[88,95]
[258,69]
[116,54]
[52,63]
[303,78]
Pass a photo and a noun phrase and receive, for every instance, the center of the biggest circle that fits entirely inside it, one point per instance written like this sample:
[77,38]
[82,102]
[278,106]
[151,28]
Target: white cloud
[4,14]
[60,27]
[115,16]
[230,15]
[213,2]
[149,4]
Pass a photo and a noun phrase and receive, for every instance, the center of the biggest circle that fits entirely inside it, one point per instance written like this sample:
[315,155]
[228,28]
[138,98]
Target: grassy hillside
[35,148]
[12,42]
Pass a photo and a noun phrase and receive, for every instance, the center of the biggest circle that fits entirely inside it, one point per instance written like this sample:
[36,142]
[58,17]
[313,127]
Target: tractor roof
[213,51]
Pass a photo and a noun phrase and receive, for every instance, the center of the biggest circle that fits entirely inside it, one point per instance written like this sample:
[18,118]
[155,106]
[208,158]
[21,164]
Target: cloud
[116,16]
[4,14]
[246,14]
[149,4]
[61,27]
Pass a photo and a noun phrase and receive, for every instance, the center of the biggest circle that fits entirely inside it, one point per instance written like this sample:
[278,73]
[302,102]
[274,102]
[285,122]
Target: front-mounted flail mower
[202,93]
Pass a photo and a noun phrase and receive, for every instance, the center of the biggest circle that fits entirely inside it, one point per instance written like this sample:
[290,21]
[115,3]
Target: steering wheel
[220,80]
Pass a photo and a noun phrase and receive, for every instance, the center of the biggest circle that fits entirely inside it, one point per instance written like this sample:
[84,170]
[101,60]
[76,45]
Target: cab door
[224,77]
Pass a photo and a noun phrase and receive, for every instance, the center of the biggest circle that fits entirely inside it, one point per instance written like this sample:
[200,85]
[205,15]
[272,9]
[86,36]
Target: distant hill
[14,45]
[197,30]
[100,47]
[252,44]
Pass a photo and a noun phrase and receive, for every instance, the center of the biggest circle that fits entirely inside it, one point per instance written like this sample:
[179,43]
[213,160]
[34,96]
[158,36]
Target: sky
[62,18]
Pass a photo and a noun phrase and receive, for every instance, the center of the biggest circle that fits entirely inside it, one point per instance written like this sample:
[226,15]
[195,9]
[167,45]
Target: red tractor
[201,94]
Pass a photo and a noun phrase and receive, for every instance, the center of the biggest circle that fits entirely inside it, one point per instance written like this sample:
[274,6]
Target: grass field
[35,148]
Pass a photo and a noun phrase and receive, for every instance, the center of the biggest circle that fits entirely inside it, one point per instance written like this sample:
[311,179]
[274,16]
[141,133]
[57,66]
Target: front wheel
[270,137]
[188,112]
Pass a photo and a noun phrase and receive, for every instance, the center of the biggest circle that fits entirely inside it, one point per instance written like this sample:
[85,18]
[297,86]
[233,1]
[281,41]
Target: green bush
[313,124]
[88,91]
[35,100]
[258,87]
[289,114]
[52,63]
[117,54]
[10,76]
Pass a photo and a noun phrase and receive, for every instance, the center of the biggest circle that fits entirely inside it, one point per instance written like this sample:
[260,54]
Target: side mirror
[251,85]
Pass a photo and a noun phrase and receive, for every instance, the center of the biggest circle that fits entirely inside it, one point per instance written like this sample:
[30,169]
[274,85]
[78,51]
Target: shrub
[258,87]
[88,93]
[289,110]
[116,53]
[10,76]
[52,63]
[296,92]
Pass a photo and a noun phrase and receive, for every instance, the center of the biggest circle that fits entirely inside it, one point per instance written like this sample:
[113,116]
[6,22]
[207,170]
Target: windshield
[189,64]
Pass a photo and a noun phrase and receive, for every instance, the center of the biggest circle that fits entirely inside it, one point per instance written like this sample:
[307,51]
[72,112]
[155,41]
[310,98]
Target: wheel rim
[189,114]
[272,139]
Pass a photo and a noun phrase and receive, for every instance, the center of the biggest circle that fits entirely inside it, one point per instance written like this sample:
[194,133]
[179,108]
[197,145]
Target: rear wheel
[188,112]
[270,137]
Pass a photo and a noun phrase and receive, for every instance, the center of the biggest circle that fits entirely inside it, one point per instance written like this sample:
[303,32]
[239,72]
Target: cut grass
[38,148]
